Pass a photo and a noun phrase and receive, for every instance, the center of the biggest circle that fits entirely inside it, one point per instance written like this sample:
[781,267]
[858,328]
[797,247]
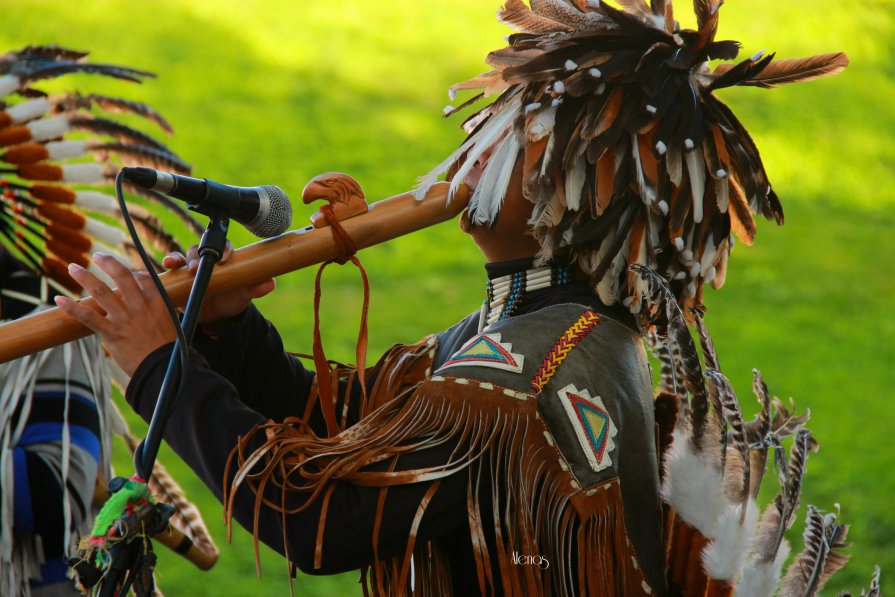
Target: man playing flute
[515,452]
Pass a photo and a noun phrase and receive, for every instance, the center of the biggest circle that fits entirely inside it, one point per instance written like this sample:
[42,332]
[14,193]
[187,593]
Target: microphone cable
[169,306]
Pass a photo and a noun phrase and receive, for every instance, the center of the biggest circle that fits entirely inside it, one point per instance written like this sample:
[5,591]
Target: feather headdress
[628,155]
[58,151]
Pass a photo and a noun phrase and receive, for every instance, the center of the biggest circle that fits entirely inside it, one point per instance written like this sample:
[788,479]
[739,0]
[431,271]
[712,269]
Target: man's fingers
[192,258]
[174,260]
[104,296]
[85,315]
[262,288]
[144,281]
[228,251]
[123,277]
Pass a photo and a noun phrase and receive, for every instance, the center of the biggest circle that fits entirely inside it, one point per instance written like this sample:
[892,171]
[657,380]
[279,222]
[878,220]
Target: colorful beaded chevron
[592,424]
[486,350]
[562,348]
[506,293]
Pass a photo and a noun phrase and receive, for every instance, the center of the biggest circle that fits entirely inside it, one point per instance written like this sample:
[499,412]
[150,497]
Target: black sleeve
[205,426]
[251,356]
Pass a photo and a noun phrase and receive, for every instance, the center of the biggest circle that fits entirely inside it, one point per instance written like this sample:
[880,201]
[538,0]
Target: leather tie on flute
[367,226]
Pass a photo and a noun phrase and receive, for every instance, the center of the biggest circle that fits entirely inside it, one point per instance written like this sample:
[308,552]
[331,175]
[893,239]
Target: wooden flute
[365,225]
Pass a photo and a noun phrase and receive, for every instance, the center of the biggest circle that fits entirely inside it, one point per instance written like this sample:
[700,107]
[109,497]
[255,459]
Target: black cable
[147,262]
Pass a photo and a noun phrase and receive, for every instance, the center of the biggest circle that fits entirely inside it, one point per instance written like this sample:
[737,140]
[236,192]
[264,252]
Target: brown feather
[795,70]
[605,180]
[505,58]
[517,15]
[608,113]
[679,208]
[741,221]
[142,155]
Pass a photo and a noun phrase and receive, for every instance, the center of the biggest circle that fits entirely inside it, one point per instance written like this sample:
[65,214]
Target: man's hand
[225,305]
[134,322]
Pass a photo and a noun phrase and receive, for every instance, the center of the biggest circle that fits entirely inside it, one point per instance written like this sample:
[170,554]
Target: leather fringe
[498,436]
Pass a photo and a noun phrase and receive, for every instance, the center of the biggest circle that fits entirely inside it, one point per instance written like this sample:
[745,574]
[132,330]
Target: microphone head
[274,213]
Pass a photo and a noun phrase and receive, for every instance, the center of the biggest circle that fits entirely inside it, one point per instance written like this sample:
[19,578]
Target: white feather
[647,194]
[489,134]
[475,145]
[48,128]
[541,124]
[696,169]
[724,557]
[28,110]
[760,579]
[722,194]
[548,154]
[8,84]
[692,487]
[492,186]
[608,288]
[708,256]
[549,214]
[674,166]
[575,178]
[95,201]
[104,232]
[61,150]
[86,172]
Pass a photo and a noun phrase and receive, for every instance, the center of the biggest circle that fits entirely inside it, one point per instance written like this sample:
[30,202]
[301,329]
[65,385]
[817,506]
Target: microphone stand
[127,555]
[211,250]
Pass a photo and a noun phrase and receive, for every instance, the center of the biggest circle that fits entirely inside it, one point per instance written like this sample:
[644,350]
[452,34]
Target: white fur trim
[29,110]
[694,489]
[48,128]
[723,558]
[82,172]
[104,233]
[95,201]
[61,150]
[8,84]
[759,579]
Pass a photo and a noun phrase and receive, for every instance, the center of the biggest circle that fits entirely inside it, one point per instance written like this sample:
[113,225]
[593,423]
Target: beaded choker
[507,293]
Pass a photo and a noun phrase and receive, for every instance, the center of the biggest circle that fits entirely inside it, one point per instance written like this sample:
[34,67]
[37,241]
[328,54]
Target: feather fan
[51,211]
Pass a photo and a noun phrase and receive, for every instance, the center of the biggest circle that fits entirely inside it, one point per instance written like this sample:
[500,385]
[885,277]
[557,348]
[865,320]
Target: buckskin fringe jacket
[516,460]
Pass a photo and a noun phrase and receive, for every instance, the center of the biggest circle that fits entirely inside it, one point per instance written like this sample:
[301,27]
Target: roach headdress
[628,155]
[59,151]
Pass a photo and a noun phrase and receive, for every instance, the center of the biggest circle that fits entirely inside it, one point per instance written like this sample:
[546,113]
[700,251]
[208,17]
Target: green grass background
[277,91]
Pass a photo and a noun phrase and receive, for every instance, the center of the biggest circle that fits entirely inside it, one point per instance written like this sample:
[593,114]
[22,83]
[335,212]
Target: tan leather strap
[326,388]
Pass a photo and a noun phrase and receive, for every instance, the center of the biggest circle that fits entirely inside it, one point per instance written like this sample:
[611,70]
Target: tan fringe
[543,510]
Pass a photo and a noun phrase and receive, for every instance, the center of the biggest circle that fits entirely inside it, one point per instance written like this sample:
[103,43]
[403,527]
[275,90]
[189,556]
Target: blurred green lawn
[276,92]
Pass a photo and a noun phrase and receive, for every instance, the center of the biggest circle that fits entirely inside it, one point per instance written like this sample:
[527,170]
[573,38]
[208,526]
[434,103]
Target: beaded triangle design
[486,350]
[592,423]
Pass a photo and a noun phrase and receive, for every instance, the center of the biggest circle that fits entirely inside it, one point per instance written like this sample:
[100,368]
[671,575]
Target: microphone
[265,211]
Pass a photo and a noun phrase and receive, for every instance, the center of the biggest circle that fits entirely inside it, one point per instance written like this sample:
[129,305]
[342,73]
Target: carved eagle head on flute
[629,157]
[60,153]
